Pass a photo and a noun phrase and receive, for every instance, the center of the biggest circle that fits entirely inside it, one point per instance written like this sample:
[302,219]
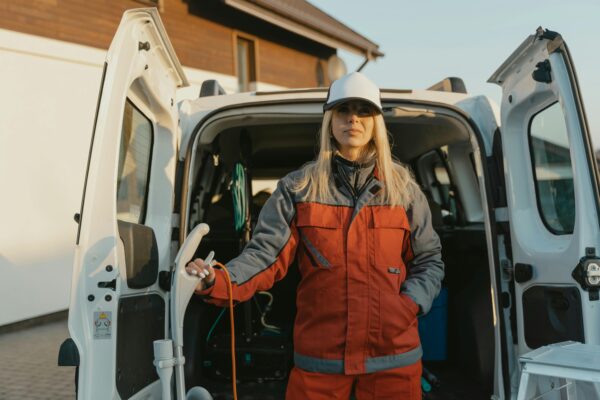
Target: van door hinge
[523,272]
[587,273]
[507,270]
[555,41]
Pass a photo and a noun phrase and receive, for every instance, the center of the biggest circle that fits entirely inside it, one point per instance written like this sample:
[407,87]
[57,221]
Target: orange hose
[231,319]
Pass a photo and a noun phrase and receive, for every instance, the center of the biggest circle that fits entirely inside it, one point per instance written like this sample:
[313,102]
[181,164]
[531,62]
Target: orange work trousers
[397,384]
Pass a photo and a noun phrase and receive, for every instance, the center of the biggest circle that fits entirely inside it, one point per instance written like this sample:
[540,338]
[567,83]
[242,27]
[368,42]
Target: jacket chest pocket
[321,236]
[389,236]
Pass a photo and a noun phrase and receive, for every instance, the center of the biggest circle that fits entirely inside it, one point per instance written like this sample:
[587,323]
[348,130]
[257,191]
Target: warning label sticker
[102,324]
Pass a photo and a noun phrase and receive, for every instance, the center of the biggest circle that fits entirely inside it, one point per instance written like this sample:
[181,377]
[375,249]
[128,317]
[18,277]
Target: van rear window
[553,172]
[134,165]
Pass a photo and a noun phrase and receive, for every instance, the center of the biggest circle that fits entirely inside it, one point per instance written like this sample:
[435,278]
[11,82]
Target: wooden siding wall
[202,32]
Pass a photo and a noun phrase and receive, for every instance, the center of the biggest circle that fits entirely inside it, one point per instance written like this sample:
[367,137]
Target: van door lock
[593,274]
[108,285]
[587,273]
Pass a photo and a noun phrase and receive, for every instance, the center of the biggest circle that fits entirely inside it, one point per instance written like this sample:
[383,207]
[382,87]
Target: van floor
[249,390]
[453,384]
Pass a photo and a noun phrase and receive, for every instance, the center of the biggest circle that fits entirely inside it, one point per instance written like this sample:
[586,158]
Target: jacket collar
[351,176]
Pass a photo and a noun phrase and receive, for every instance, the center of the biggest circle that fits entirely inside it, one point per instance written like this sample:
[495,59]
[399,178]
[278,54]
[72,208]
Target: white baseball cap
[354,86]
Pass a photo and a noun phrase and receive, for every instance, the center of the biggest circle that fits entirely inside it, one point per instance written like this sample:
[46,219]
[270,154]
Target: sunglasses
[361,109]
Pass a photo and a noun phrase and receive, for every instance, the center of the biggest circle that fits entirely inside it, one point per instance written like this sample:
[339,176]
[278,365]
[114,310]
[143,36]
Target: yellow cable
[231,319]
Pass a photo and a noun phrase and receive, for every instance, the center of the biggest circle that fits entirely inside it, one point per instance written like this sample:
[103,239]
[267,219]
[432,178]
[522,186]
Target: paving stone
[29,364]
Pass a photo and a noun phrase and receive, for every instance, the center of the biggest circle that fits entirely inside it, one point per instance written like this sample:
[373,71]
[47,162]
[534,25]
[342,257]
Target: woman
[368,256]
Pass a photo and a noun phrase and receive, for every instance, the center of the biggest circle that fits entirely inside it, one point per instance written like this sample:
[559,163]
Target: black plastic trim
[141,254]
[555,40]
[87,169]
[68,355]
[141,321]
[496,168]
[583,123]
[542,72]
[552,314]
[211,87]
[523,272]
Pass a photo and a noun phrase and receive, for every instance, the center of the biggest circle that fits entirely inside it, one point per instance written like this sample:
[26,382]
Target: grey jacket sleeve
[425,266]
[266,258]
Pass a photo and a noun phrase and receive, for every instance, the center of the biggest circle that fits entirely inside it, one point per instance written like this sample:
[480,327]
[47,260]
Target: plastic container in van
[433,329]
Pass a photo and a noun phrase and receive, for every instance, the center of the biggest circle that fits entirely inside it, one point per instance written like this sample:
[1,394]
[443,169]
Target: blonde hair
[400,187]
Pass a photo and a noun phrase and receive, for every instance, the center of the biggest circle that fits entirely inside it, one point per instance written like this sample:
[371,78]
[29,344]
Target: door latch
[587,273]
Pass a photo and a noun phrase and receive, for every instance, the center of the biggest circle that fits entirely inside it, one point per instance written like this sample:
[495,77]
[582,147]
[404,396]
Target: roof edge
[304,30]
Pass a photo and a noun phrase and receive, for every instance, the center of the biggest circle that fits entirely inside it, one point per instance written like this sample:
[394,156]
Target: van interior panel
[271,149]
[141,321]
[552,315]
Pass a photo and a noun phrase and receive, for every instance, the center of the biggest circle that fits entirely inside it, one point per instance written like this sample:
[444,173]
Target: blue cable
[214,325]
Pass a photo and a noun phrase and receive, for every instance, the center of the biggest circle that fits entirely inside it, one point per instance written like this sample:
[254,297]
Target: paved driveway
[28,361]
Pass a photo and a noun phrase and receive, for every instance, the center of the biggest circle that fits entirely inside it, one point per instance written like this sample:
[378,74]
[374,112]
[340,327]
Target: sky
[427,41]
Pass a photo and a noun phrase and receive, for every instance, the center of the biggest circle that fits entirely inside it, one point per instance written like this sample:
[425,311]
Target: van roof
[192,112]
[318,94]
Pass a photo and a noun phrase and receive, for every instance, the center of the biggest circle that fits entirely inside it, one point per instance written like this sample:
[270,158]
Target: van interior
[436,143]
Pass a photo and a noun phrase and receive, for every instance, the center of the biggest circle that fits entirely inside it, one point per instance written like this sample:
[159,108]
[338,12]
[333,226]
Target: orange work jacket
[367,269]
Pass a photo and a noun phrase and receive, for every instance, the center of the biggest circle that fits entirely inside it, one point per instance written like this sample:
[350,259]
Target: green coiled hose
[239,193]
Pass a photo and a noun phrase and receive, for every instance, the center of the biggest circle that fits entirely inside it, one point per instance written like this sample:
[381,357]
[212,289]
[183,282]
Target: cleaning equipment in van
[239,194]
[263,314]
[232,322]
[168,354]
[433,329]
[264,351]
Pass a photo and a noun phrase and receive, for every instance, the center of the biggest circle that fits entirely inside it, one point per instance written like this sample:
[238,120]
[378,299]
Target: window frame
[144,211]
[235,38]
[159,4]
[534,172]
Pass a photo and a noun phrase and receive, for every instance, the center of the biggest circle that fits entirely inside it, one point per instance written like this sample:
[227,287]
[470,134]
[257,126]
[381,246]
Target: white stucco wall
[48,94]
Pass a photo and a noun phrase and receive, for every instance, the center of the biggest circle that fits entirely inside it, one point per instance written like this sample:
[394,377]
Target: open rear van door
[552,193]
[118,308]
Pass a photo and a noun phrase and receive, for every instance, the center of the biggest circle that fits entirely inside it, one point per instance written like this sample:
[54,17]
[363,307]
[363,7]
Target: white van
[514,197]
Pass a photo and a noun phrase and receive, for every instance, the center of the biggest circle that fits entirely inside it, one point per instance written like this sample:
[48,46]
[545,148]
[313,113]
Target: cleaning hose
[214,325]
[266,311]
[239,193]
[231,320]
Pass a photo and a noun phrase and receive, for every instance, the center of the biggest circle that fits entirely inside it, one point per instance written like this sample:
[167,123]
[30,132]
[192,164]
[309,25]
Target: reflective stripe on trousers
[402,383]
[374,364]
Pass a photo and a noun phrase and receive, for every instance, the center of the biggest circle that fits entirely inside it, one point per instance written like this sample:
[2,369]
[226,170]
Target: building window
[320,74]
[246,64]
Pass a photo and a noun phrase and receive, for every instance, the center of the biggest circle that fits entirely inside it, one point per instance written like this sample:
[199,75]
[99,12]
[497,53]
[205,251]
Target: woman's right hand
[206,273]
